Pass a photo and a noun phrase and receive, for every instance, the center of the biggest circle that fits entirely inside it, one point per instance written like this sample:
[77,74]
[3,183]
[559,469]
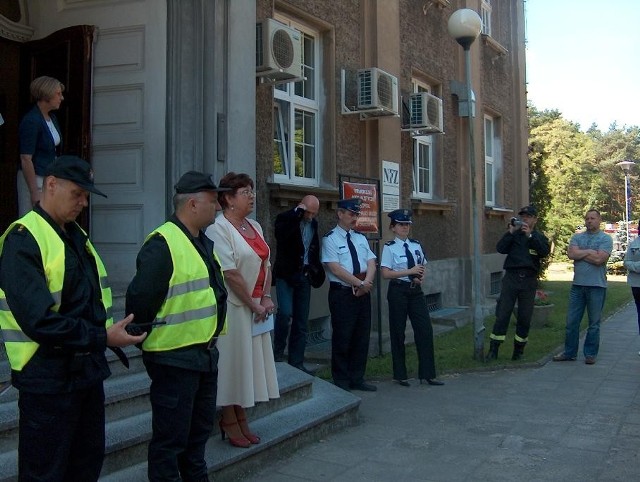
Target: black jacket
[289,246]
[523,252]
[71,355]
[148,290]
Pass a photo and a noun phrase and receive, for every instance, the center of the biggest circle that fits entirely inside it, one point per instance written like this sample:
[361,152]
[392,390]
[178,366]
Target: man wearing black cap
[351,269]
[524,247]
[55,314]
[179,287]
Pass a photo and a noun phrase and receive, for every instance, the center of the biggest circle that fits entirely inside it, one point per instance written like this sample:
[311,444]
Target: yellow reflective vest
[20,348]
[190,308]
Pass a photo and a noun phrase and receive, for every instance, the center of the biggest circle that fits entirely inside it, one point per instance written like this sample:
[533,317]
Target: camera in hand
[516,222]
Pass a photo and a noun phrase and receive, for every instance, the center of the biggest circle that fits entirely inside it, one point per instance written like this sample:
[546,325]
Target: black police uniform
[350,314]
[407,299]
[184,381]
[61,432]
[519,283]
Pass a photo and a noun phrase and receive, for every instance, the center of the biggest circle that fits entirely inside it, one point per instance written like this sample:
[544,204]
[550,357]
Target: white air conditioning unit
[425,112]
[377,90]
[278,51]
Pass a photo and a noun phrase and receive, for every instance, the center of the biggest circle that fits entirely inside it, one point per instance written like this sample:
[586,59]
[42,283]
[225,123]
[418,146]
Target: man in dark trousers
[524,247]
[351,269]
[55,315]
[296,269]
[179,285]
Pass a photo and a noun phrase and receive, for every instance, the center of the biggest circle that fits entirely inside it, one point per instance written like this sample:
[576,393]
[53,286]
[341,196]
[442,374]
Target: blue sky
[583,58]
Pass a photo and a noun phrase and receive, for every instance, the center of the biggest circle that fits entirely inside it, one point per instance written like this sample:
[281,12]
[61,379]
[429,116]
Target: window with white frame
[491,143]
[423,154]
[296,118]
[485,14]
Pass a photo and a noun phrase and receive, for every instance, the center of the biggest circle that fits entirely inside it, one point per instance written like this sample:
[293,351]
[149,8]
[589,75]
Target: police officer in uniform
[55,315]
[351,269]
[180,286]
[403,263]
[525,247]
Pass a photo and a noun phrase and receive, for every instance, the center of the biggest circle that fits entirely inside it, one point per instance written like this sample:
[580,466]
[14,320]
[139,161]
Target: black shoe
[403,383]
[432,381]
[305,369]
[345,387]
[364,387]
[279,357]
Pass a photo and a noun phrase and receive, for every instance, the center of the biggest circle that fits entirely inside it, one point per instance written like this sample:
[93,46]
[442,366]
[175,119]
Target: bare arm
[234,280]
[591,256]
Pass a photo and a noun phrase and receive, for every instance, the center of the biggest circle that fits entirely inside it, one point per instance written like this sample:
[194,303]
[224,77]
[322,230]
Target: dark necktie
[410,262]
[354,255]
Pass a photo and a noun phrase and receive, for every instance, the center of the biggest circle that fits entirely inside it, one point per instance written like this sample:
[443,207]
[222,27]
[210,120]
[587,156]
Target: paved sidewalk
[563,421]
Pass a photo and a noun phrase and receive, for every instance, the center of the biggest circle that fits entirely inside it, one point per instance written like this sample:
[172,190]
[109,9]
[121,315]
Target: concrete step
[282,431]
[128,415]
[455,317]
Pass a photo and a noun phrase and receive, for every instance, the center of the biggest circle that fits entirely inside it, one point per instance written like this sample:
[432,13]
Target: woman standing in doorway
[40,140]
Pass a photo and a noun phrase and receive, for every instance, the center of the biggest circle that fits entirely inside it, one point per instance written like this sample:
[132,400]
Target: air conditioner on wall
[425,112]
[377,90]
[278,52]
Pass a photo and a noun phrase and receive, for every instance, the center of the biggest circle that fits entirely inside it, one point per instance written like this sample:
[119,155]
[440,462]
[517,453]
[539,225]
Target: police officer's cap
[352,204]
[194,181]
[528,210]
[76,170]
[401,216]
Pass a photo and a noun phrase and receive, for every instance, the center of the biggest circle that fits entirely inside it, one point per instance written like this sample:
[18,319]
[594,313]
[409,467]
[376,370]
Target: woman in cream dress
[246,368]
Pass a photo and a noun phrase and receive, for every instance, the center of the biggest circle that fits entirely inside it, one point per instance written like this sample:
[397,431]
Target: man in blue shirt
[351,269]
[589,251]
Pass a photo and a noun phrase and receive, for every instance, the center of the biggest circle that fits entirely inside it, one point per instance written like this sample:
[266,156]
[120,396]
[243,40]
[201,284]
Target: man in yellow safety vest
[178,295]
[55,315]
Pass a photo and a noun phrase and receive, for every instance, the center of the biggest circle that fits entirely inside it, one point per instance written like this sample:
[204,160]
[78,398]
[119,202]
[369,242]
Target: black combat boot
[492,354]
[518,350]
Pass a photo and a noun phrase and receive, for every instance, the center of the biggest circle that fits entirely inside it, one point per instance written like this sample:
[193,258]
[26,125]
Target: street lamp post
[464,26]
[626,167]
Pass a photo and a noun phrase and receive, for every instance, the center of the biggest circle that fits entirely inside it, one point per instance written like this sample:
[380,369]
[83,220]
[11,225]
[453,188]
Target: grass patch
[454,349]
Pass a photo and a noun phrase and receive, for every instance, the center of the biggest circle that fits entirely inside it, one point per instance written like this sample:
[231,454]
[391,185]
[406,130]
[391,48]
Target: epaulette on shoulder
[358,232]
[328,234]
[414,240]
[390,243]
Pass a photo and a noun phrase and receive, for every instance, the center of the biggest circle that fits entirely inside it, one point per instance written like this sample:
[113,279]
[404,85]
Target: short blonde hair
[44,88]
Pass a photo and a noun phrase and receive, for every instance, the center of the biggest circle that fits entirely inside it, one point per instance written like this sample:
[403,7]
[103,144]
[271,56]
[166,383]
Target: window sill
[496,46]
[497,212]
[286,194]
[425,205]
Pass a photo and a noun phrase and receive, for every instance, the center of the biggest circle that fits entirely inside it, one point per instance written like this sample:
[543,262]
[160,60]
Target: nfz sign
[390,177]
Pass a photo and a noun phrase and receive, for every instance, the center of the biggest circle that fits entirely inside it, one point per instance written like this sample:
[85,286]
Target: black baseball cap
[530,210]
[194,181]
[76,170]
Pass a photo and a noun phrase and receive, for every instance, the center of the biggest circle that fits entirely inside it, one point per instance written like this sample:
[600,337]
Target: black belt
[524,273]
[405,284]
[334,285]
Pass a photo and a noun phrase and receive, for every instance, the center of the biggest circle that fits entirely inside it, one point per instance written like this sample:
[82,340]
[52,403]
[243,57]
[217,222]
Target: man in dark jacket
[524,247]
[179,285]
[296,269]
[55,314]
